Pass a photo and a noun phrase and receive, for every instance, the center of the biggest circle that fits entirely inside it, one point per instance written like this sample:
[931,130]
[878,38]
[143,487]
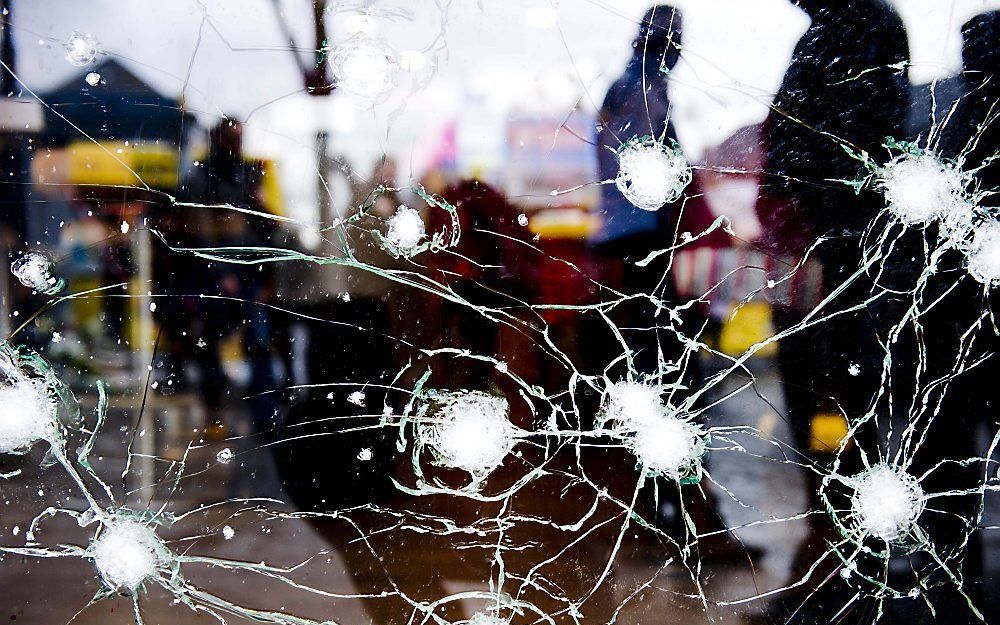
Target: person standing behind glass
[846,89]
[637,105]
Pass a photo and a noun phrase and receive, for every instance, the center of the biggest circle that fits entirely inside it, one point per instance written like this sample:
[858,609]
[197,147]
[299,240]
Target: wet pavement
[410,549]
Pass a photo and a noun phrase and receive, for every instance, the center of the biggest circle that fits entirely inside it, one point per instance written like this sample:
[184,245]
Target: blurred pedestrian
[222,182]
[846,90]
[475,270]
[637,105]
[950,394]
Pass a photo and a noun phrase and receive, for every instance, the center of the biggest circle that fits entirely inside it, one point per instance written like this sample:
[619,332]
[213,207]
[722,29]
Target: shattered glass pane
[498,313]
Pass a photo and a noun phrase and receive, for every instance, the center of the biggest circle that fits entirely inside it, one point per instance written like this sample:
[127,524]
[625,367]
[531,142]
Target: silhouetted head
[226,140]
[819,8]
[812,7]
[660,35]
[980,53]
[386,171]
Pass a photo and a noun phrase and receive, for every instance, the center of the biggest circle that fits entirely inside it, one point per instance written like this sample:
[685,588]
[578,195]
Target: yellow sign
[115,163]
[826,432]
[563,223]
[270,190]
[750,325]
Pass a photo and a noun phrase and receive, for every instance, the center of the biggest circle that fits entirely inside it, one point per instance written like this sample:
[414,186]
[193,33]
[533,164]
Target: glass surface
[499,312]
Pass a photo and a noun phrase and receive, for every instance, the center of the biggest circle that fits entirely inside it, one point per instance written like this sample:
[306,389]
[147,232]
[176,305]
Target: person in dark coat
[957,348]
[846,88]
[844,93]
[225,178]
[637,105]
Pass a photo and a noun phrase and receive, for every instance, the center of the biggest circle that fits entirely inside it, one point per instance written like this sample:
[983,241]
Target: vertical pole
[317,77]
[143,334]
[7,51]
[319,9]
[324,164]
[11,149]
[5,304]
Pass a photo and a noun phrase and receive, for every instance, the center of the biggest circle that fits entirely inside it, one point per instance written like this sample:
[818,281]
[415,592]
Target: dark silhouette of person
[957,350]
[846,88]
[844,93]
[972,133]
[196,325]
[637,105]
[970,402]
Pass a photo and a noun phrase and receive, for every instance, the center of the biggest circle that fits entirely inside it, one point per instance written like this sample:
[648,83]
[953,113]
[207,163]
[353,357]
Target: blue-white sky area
[502,58]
